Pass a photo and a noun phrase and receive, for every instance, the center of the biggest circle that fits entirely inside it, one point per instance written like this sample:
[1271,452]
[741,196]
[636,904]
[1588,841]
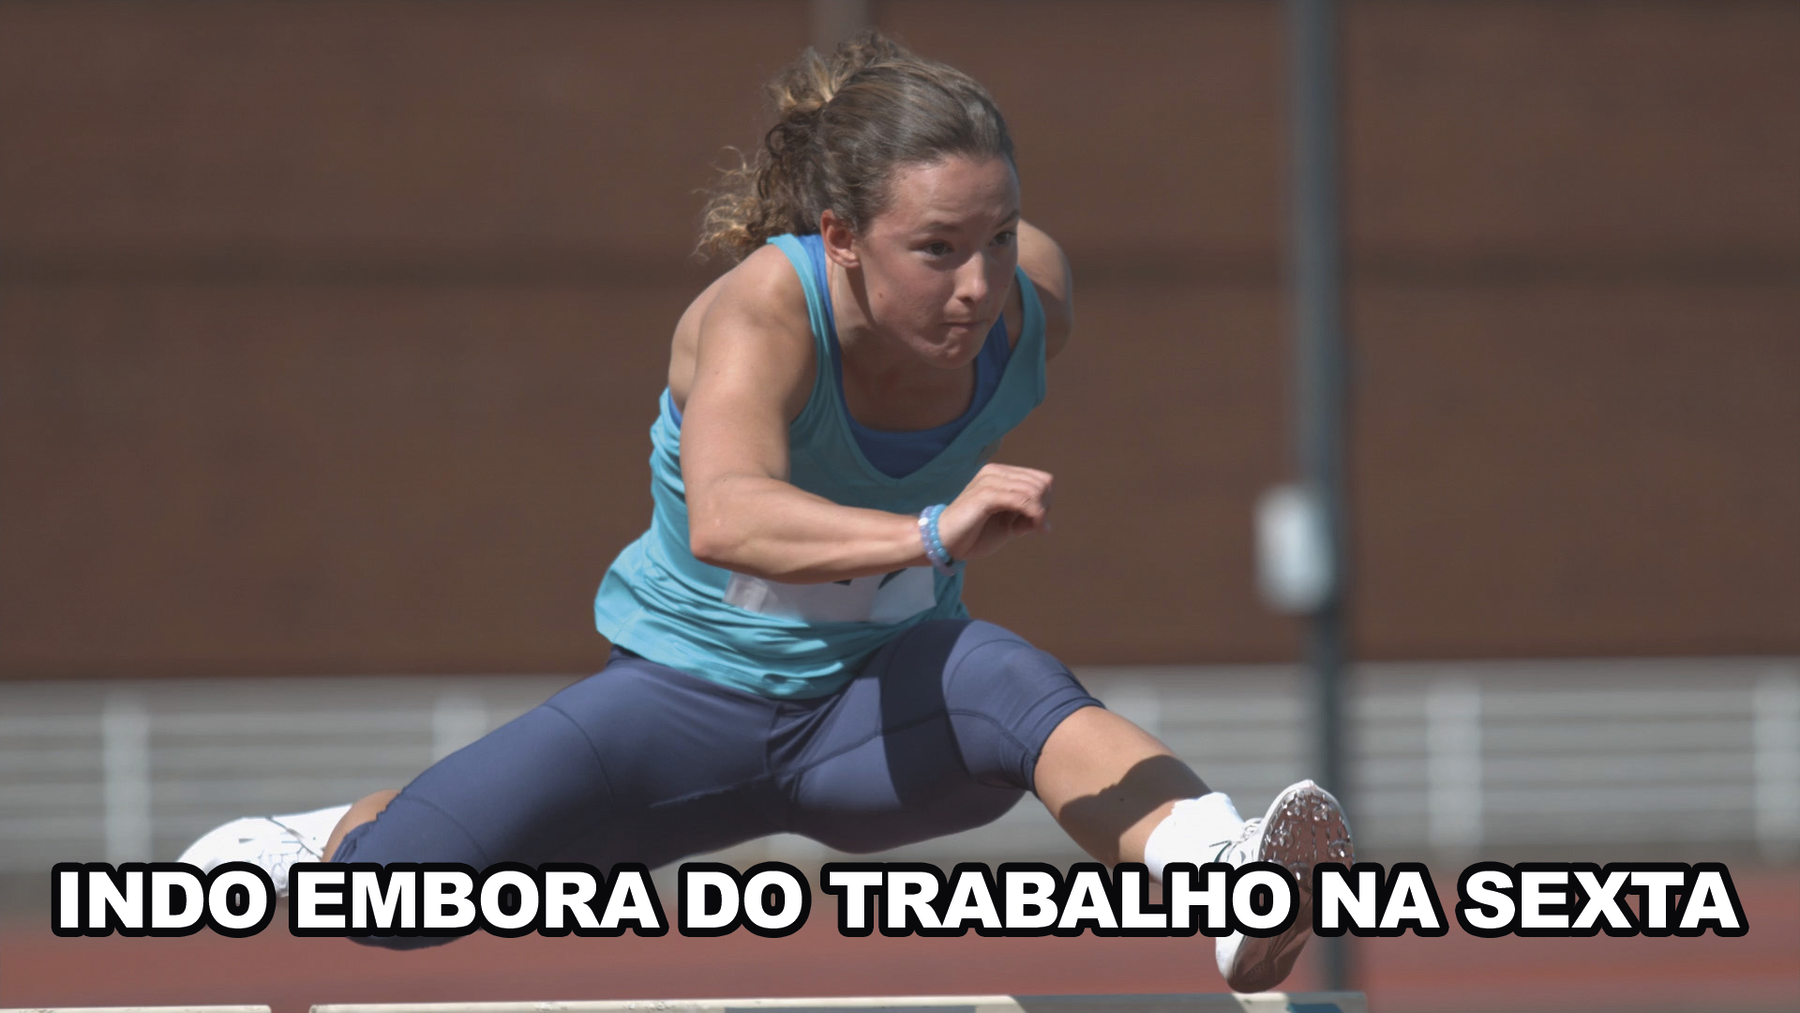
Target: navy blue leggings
[940,732]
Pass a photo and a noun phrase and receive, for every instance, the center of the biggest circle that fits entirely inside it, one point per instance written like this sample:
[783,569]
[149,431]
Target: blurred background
[331,334]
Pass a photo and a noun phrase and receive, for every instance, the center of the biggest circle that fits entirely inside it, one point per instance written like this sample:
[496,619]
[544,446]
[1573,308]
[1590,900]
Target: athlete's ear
[840,240]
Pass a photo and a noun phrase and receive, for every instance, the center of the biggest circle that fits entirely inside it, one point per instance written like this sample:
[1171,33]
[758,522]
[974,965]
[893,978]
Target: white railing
[1447,759]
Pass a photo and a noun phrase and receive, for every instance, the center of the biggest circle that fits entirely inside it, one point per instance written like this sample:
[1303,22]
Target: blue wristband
[934,543]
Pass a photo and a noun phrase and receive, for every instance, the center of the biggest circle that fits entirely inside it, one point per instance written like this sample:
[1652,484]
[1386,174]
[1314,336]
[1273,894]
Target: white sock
[1193,832]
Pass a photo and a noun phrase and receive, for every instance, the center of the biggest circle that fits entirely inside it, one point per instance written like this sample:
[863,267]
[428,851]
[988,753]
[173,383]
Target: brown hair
[843,125]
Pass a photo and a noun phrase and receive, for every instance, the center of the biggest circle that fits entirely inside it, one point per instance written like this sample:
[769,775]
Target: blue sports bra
[899,453]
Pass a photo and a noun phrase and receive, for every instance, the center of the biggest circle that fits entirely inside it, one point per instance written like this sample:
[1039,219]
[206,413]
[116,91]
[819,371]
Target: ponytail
[843,124]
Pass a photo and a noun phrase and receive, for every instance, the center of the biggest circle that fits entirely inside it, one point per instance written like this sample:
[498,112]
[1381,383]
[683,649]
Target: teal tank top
[803,640]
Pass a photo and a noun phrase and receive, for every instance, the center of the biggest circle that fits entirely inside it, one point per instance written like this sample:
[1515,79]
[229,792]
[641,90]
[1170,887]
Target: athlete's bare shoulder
[1048,269]
[759,306]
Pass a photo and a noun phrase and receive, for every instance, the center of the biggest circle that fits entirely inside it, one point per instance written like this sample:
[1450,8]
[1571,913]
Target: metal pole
[1319,346]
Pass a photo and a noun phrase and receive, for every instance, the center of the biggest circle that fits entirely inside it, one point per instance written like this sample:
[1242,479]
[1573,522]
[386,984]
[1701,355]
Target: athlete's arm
[753,371]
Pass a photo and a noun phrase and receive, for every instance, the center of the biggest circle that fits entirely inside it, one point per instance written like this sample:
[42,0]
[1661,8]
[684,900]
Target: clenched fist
[1000,503]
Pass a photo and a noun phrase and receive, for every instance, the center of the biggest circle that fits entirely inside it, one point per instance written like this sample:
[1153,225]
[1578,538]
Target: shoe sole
[1304,826]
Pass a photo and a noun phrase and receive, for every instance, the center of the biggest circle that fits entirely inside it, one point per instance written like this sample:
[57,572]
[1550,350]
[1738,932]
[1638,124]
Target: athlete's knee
[363,810]
[1005,696]
[409,830]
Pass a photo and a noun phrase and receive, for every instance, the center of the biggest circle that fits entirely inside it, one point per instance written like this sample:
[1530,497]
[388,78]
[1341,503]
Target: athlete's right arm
[753,371]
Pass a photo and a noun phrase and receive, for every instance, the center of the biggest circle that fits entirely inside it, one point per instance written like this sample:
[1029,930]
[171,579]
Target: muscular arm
[753,370]
[752,373]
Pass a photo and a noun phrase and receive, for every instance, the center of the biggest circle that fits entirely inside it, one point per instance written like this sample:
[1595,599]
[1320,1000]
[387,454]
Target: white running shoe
[273,843]
[1304,825]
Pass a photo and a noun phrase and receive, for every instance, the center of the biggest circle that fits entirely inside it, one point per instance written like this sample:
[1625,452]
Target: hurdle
[1258,1002]
[137,1009]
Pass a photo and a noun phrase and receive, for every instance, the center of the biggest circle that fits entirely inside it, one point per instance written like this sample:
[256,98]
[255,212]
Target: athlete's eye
[938,249]
[1006,238]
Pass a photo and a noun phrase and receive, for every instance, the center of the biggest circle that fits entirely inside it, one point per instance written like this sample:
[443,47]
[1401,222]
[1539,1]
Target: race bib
[881,598]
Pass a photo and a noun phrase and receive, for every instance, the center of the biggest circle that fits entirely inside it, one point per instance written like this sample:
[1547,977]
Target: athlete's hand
[1001,503]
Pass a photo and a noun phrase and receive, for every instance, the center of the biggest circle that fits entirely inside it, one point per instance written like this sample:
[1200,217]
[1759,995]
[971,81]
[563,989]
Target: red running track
[1759,971]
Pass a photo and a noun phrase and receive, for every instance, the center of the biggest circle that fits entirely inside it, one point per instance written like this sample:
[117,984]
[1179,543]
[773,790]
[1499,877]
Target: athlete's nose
[972,281]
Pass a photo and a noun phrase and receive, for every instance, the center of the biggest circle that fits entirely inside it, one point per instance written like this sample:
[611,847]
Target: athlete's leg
[953,721]
[1109,783]
[950,724]
[937,734]
[639,763]
[363,810]
[1112,785]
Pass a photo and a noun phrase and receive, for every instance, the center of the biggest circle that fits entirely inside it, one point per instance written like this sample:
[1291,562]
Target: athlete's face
[937,265]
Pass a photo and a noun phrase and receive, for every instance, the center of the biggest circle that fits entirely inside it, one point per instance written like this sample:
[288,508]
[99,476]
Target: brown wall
[330,333]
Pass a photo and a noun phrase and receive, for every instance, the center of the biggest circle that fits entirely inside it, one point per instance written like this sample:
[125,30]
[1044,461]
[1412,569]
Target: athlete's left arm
[1048,270]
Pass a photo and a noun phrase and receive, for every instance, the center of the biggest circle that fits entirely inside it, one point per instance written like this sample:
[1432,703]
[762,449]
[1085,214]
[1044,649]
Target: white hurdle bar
[137,1009]
[1260,1002]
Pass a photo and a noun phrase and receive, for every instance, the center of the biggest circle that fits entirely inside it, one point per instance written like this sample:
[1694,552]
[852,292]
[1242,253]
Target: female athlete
[791,649]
